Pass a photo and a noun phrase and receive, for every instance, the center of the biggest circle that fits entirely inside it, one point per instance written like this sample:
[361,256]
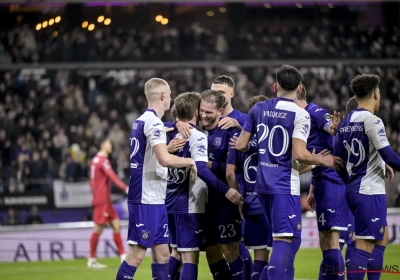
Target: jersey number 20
[266,132]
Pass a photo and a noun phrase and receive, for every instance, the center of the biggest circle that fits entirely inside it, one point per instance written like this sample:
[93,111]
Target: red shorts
[104,213]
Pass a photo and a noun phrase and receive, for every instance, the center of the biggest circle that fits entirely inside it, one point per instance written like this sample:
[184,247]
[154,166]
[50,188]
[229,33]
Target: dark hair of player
[302,95]
[224,80]
[214,97]
[351,105]
[256,99]
[288,77]
[173,113]
[186,105]
[364,85]
[101,141]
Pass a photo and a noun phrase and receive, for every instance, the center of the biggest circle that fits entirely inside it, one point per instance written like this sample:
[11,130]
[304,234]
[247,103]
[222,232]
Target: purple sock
[246,257]
[125,271]
[257,269]
[358,262]
[341,245]
[375,262]
[294,248]
[349,253]
[320,276]
[277,264]
[189,271]
[160,271]
[238,270]
[174,265]
[220,270]
[331,264]
[342,266]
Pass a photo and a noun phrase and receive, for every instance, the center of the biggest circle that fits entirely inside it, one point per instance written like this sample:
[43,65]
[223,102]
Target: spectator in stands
[19,174]
[36,172]
[34,217]
[12,218]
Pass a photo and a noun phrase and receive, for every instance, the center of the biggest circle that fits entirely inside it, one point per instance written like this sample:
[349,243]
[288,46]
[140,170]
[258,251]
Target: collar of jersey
[151,110]
[286,99]
[362,109]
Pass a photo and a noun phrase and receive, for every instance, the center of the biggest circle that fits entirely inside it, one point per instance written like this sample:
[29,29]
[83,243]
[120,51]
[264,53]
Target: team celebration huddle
[226,182]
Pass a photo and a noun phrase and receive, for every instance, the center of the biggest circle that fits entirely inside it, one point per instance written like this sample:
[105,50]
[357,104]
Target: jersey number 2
[166,234]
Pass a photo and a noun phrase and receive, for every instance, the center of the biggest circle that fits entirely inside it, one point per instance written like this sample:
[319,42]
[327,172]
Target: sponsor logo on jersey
[327,116]
[157,133]
[217,141]
[201,150]
[298,227]
[305,129]
[382,132]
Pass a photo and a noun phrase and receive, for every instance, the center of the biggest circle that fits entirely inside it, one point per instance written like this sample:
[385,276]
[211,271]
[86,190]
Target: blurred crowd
[196,42]
[14,218]
[51,130]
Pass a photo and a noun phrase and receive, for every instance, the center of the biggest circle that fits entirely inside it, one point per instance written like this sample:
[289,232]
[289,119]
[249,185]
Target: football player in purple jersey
[282,130]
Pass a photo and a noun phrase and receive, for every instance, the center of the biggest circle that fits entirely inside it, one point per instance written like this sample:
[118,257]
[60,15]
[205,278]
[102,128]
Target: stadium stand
[202,43]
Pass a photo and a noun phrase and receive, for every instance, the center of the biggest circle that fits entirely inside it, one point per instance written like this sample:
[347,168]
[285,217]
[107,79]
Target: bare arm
[304,168]
[168,160]
[303,156]
[243,141]
[231,176]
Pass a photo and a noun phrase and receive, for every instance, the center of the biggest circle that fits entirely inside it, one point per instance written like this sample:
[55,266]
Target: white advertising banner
[76,194]
[71,240]
[72,195]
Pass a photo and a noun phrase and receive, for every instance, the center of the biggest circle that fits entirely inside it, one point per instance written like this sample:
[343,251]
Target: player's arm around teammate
[149,157]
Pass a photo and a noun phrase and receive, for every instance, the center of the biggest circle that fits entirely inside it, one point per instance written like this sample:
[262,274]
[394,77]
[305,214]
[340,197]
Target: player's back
[364,165]
[320,139]
[99,182]
[276,121]
[147,182]
[183,195]
[246,165]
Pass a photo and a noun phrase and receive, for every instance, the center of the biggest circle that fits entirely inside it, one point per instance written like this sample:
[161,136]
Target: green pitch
[307,266]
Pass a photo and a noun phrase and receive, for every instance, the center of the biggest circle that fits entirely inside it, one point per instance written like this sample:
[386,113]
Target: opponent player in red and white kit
[101,175]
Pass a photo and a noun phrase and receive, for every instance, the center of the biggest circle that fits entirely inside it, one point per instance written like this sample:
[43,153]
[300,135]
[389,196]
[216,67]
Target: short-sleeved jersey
[183,195]
[148,179]
[360,135]
[246,165]
[218,146]
[275,122]
[320,138]
[239,116]
[169,124]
